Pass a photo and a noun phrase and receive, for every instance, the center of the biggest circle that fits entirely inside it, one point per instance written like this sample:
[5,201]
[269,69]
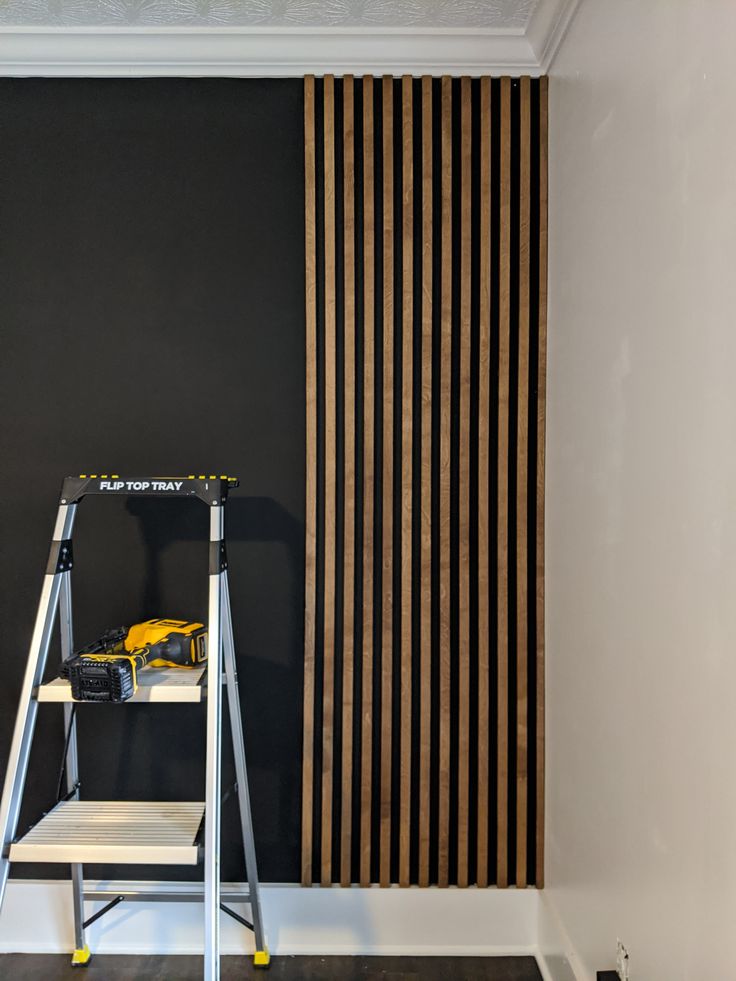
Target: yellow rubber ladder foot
[81,957]
[261,958]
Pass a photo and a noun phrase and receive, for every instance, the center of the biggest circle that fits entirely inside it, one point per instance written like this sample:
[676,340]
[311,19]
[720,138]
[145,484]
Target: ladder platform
[154,685]
[121,832]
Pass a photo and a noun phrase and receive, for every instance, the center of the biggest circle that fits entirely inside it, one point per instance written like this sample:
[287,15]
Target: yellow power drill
[107,669]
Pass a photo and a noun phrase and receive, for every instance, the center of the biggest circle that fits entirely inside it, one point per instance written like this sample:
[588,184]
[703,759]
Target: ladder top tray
[212,489]
[123,832]
[154,685]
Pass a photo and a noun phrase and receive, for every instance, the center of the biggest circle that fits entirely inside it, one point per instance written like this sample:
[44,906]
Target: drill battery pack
[99,679]
[107,670]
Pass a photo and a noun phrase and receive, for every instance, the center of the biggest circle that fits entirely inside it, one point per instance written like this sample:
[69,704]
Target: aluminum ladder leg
[20,747]
[261,957]
[213,779]
[81,954]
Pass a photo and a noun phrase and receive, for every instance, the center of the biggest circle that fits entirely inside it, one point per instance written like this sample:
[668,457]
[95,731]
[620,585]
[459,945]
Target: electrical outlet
[622,962]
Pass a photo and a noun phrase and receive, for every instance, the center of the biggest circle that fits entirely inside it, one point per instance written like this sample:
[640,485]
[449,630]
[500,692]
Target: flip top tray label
[165,486]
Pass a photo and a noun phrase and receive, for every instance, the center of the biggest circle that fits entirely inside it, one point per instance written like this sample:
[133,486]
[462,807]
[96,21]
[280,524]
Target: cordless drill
[107,669]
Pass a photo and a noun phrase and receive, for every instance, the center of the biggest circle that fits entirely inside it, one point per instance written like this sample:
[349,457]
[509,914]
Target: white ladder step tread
[154,685]
[124,832]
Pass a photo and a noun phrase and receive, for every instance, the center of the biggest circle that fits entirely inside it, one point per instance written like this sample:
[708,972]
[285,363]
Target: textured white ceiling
[495,14]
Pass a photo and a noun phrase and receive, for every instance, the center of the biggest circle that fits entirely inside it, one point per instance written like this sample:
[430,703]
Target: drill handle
[143,655]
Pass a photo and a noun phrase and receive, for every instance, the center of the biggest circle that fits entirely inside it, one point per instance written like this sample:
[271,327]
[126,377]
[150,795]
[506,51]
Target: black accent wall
[152,319]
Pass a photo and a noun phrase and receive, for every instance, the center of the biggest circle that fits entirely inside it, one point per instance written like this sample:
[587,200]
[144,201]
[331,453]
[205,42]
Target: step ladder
[76,831]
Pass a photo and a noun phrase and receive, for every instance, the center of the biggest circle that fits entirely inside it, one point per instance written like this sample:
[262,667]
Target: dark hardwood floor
[53,967]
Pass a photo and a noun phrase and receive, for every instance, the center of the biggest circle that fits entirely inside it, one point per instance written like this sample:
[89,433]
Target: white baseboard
[556,956]
[37,918]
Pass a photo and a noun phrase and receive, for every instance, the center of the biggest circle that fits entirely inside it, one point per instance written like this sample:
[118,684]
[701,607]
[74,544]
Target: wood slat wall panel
[484,476]
[444,529]
[502,524]
[425,636]
[387,586]
[463,708]
[310,518]
[522,473]
[330,543]
[439,661]
[541,428]
[369,369]
[407,474]
[348,546]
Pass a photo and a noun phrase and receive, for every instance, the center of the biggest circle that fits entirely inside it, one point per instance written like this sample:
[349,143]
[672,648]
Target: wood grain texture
[425,617]
[502,570]
[463,722]
[348,542]
[310,518]
[330,544]
[484,476]
[407,446]
[541,435]
[397,779]
[387,480]
[522,476]
[369,368]
[443,829]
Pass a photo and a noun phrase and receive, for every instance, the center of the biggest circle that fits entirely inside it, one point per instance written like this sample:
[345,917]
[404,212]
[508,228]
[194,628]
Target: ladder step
[123,832]
[154,685]
[192,895]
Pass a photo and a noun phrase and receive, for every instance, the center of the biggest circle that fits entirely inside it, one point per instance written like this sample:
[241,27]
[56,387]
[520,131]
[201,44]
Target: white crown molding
[282,51]
[547,28]
[263,51]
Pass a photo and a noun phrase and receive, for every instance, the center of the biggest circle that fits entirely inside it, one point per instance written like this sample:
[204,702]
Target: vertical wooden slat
[484,393]
[348,480]
[522,465]
[387,550]
[310,545]
[366,700]
[503,482]
[443,829]
[541,420]
[463,722]
[407,424]
[328,657]
[425,642]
